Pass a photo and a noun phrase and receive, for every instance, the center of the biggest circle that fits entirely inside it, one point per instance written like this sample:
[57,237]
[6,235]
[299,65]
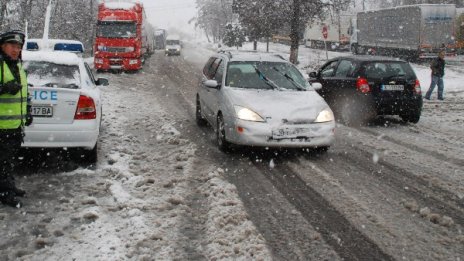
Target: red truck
[124,37]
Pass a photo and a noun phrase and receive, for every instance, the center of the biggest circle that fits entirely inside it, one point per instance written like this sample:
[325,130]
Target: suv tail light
[86,109]
[417,88]
[362,85]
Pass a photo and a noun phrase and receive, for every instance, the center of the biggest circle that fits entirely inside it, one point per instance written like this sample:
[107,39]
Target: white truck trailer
[339,29]
[410,32]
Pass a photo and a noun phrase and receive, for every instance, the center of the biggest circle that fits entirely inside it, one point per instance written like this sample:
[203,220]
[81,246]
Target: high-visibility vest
[13,108]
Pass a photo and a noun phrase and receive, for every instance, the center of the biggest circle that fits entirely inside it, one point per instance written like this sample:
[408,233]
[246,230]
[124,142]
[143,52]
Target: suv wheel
[223,144]
[198,116]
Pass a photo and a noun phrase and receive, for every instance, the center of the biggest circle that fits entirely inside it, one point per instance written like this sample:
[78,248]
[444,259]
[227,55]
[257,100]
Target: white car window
[53,75]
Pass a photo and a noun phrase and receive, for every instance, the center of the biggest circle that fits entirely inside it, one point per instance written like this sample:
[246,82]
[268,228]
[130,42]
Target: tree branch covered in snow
[73,20]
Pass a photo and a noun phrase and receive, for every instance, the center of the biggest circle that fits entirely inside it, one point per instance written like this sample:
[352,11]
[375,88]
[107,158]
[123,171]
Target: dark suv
[358,88]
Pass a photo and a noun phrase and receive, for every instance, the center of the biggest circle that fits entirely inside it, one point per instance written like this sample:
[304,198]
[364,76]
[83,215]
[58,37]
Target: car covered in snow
[358,88]
[66,103]
[262,100]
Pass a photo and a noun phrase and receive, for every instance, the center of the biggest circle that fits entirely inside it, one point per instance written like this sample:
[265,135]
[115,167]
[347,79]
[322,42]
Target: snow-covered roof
[51,45]
[254,57]
[64,58]
[120,5]
[54,41]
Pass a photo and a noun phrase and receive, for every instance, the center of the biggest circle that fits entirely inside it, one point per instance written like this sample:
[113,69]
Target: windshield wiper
[290,79]
[394,76]
[265,79]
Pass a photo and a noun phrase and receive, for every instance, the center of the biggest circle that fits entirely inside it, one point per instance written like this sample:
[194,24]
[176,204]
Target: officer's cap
[14,36]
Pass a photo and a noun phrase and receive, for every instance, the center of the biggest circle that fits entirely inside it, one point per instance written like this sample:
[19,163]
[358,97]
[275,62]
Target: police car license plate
[42,111]
[392,87]
[290,133]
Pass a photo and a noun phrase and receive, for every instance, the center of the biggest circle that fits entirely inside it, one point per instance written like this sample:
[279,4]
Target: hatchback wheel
[412,117]
[223,144]
[198,115]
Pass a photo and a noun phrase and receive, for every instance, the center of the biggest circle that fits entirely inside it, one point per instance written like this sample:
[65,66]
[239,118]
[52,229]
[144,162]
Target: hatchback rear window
[383,70]
[52,75]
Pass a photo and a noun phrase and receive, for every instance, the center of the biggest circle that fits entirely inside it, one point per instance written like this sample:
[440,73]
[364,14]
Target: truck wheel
[354,49]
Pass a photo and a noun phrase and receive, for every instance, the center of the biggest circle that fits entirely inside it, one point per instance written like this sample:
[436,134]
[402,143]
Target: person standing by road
[438,72]
[14,113]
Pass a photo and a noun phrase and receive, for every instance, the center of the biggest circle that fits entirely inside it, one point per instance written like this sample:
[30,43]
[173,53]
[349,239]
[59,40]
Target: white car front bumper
[263,135]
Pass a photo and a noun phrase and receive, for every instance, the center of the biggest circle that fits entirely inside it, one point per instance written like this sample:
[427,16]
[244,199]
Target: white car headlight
[247,114]
[325,116]
[98,61]
[132,62]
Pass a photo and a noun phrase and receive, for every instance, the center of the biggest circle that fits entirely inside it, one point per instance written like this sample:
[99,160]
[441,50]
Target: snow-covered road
[163,191]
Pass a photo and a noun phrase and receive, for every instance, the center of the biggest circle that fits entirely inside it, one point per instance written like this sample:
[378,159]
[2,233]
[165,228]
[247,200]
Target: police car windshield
[52,75]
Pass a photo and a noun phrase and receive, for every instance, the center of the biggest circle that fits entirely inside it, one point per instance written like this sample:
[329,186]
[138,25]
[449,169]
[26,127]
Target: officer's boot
[9,199]
[12,187]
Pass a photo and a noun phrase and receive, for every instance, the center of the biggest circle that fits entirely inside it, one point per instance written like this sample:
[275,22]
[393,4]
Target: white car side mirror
[211,84]
[316,85]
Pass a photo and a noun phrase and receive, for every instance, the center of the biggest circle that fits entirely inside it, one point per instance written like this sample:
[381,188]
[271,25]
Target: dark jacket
[438,67]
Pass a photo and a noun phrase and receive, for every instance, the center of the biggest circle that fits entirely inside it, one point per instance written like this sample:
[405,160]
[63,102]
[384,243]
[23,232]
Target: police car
[66,103]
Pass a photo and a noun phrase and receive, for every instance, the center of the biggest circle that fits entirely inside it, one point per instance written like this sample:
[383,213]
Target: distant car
[262,100]
[173,46]
[66,103]
[358,88]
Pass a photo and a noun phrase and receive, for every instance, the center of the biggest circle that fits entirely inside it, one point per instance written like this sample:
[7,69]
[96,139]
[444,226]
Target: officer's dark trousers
[10,143]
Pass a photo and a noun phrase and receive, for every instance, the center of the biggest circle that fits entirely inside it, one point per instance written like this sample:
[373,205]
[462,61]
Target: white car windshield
[265,75]
[52,75]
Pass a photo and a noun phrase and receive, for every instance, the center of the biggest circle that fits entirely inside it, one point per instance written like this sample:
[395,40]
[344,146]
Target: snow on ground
[138,203]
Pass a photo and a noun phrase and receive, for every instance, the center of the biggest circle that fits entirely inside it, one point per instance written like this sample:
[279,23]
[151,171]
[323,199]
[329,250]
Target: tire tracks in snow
[441,200]
[347,241]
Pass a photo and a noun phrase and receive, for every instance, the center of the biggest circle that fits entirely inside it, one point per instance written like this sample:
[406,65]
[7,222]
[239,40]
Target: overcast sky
[170,13]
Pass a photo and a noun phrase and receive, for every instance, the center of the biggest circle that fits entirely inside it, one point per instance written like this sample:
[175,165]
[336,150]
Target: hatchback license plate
[392,87]
[291,133]
[42,111]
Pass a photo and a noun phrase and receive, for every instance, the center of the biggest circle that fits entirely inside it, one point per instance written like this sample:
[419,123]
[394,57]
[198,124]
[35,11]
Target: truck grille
[116,49]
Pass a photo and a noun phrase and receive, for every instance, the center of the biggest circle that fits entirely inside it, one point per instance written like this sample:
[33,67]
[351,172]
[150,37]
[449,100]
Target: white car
[173,46]
[262,100]
[66,103]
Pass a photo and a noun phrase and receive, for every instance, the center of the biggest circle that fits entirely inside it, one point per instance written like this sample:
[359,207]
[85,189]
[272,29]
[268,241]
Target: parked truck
[460,30]
[339,29]
[124,37]
[160,38]
[410,32]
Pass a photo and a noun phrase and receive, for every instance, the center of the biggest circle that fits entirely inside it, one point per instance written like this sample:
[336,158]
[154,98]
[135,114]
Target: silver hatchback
[256,99]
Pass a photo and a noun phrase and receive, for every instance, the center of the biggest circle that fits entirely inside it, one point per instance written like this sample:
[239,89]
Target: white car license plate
[291,133]
[392,87]
[42,111]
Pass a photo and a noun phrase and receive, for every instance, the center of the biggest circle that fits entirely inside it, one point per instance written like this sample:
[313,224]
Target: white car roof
[253,57]
[64,58]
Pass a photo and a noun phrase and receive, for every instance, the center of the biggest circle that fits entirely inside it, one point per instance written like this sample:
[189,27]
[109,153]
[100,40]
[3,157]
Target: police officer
[14,113]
